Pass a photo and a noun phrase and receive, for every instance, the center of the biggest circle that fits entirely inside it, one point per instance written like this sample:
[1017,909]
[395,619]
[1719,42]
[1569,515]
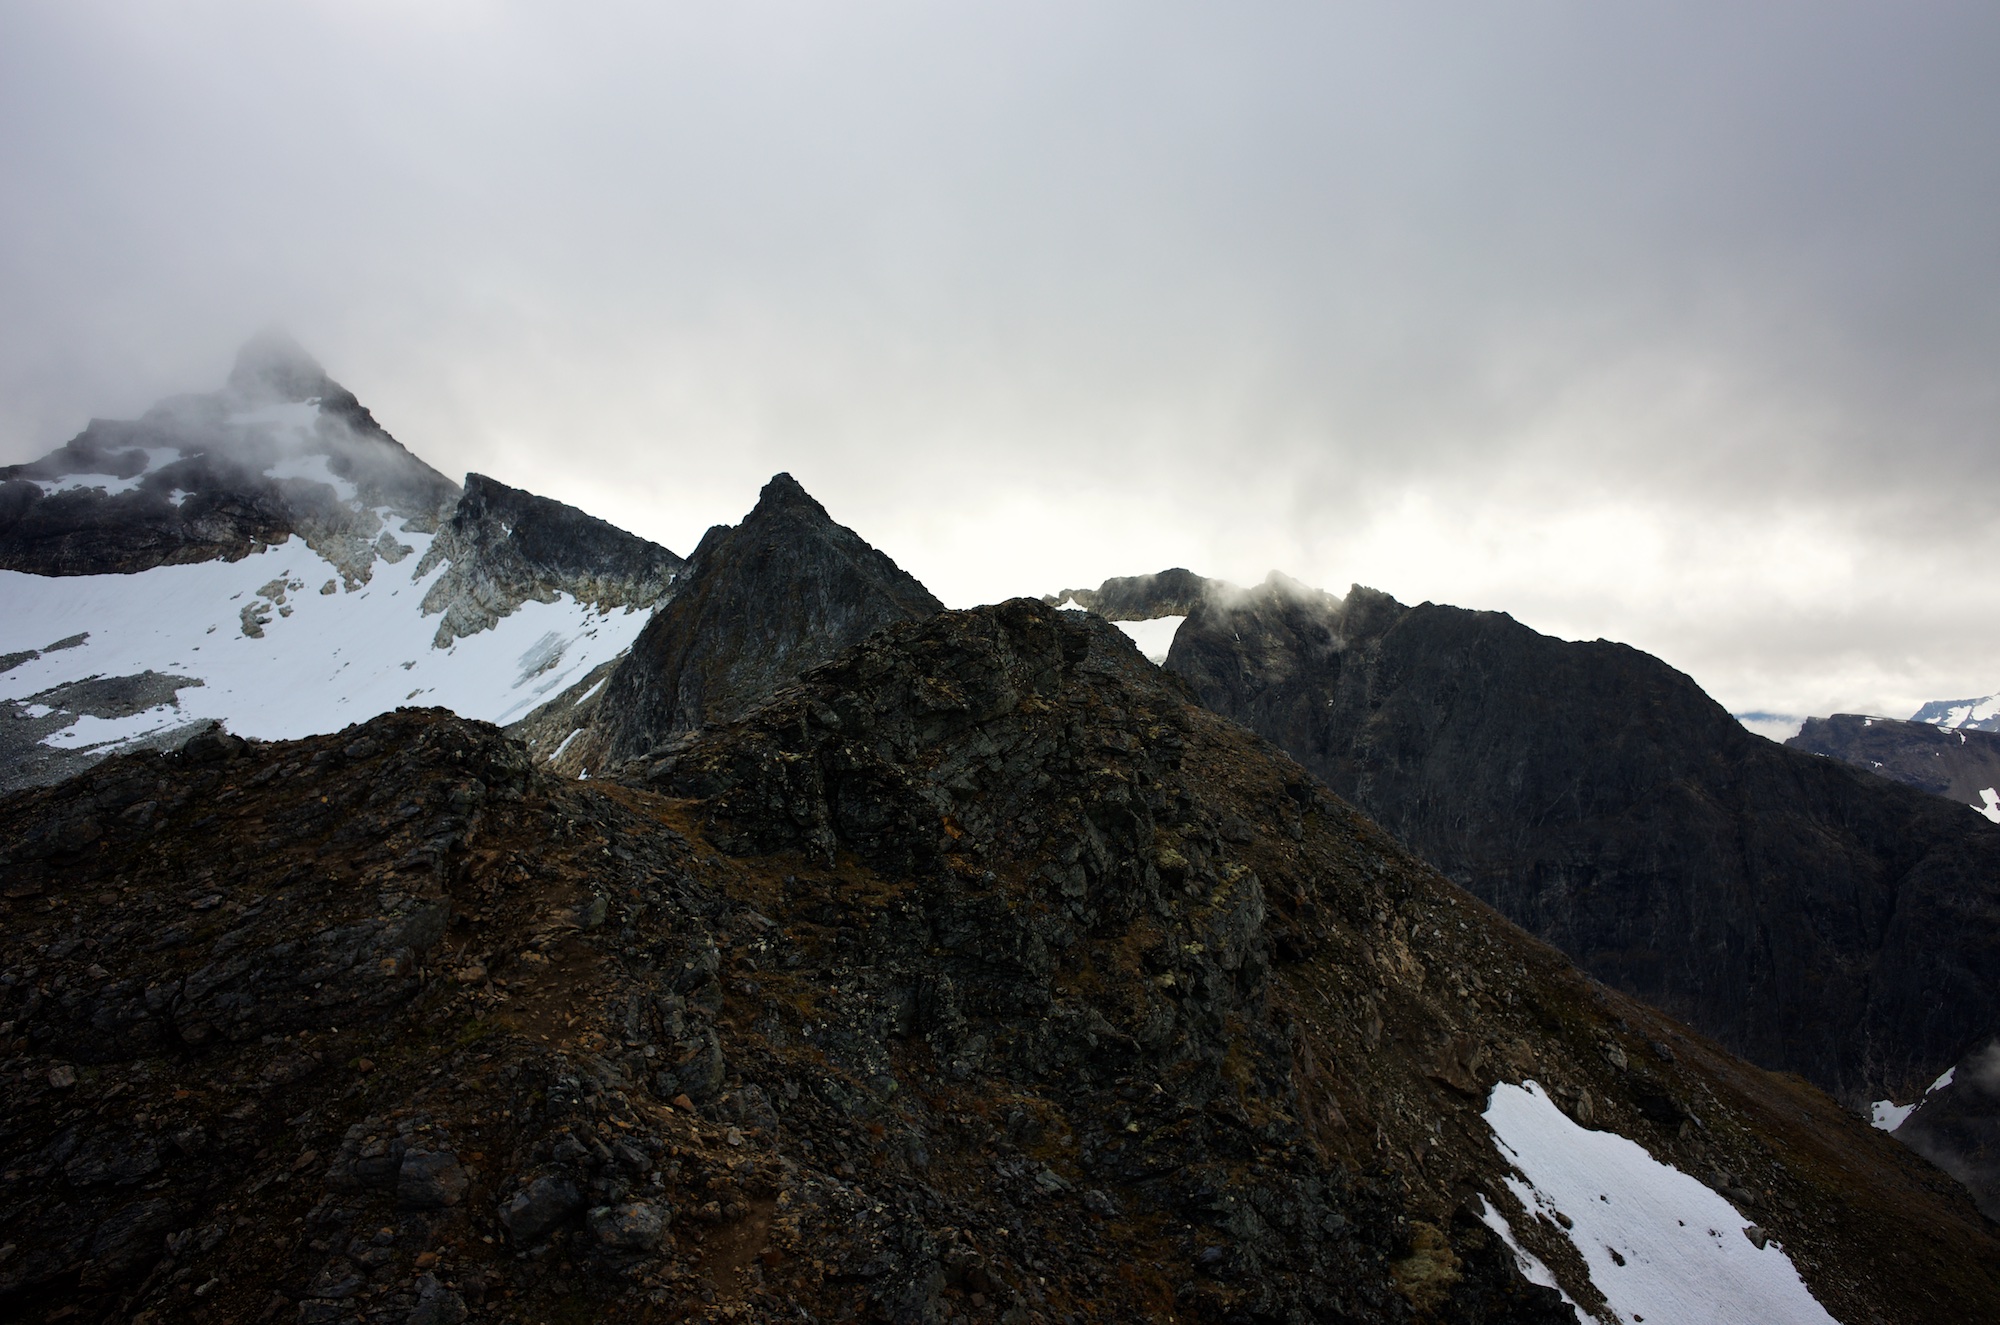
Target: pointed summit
[757,604]
[273,366]
[783,493]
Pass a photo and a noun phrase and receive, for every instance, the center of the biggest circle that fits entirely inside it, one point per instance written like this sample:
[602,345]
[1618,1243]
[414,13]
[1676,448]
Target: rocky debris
[1811,917]
[978,975]
[1957,764]
[756,604]
[503,547]
[190,480]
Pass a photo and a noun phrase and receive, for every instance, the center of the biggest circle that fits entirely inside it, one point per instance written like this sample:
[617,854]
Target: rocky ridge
[756,604]
[978,975]
[503,547]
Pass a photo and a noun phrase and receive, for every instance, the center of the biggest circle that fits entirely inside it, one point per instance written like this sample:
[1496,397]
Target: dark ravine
[756,604]
[977,975]
[1956,764]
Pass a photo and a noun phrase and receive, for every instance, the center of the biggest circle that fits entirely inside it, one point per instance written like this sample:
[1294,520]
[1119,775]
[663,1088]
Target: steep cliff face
[978,975]
[1961,765]
[756,604]
[1810,916]
[503,547]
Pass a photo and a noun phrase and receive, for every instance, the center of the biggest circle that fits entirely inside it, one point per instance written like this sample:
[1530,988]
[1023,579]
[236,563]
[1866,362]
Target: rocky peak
[271,366]
[756,604]
[282,449]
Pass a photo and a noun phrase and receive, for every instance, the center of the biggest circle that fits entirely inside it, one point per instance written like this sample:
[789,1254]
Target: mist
[1666,324]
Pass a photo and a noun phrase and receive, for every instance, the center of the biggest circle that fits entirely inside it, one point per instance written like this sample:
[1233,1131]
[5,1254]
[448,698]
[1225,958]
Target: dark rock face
[1956,764]
[1957,1126]
[201,483]
[984,975]
[1810,916]
[757,603]
[504,547]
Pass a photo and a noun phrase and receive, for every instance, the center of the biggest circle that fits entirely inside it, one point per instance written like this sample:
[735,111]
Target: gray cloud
[1670,324]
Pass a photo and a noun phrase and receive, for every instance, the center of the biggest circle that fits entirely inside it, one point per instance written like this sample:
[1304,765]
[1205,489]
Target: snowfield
[326,657]
[1660,1246]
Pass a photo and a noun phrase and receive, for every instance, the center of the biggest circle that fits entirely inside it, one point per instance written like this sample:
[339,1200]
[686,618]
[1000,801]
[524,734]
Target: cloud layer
[1671,324]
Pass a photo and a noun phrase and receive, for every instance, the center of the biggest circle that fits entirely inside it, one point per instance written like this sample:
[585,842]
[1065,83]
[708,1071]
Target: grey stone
[430,1179]
[633,1226]
[538,1208]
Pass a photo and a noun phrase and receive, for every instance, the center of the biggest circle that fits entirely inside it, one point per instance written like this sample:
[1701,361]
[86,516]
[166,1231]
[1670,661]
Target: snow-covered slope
[1982,714]
[267,556]
[1660,1246]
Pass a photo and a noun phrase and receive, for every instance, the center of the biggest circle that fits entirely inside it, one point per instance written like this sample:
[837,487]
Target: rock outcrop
[978,974]
[1141,597]
[756,604]
[503,547]
[1959,764]
[1811,917]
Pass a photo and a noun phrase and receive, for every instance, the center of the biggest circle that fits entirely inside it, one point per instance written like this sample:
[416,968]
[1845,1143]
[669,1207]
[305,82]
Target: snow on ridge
[326,658]
[1658,1244]
[1889,1115]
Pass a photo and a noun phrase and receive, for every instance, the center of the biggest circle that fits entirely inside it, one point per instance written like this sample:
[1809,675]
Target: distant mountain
[1982,714]
[1961,764]
[757,604]
[267,556]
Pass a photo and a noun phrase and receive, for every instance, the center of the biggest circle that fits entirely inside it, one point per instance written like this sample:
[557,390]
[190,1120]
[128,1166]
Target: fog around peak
[1671,326]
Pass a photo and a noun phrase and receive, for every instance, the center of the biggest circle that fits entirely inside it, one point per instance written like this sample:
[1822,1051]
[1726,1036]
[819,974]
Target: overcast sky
[1677,324]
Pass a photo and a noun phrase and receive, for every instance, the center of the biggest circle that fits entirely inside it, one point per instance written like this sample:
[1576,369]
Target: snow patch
[1529,1264]
[1658,1243]
[338,658]
[1153,637]
[1991,808]
[1071,605]
[557,753]
[1889,1115]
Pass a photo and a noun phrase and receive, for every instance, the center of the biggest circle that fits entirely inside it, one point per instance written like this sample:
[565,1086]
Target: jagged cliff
[756,604]
[978,975]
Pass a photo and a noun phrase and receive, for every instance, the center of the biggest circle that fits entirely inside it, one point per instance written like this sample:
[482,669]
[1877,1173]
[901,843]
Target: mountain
[758,603]
[977,974]
[1810,917]
[1960,764]
[1982,714]
[268,557]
